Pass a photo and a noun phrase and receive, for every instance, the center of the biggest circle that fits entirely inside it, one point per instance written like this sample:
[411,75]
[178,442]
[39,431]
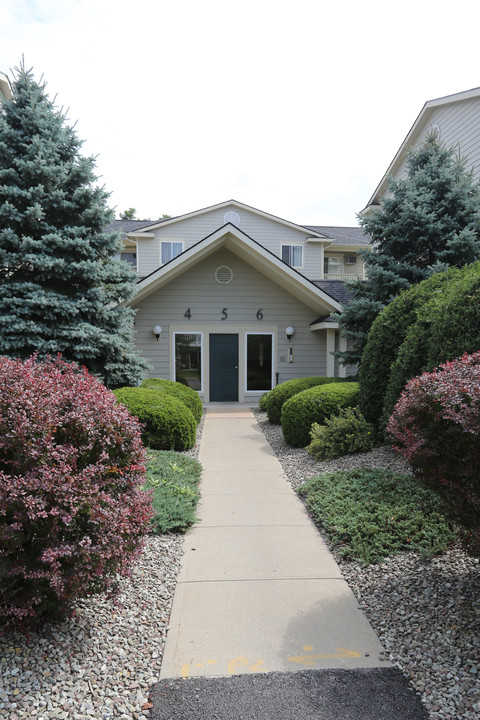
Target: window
[130,258]
[171,250]
[188,359]
[259,361]
[333,266]
[292,255]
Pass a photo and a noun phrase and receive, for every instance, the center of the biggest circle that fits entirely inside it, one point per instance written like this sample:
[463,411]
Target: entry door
[223,368]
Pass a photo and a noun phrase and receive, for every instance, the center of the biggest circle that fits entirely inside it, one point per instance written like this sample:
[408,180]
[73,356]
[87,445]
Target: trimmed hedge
[277,397]
[314,406]
[184,393]
[384,339]
[446,327]
[433,322]
[168,424]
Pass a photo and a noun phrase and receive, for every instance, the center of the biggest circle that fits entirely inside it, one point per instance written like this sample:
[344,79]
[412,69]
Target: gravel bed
[101,661]
[425,612]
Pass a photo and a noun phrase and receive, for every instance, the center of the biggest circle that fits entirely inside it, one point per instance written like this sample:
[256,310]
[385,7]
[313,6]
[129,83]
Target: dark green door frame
[223,367]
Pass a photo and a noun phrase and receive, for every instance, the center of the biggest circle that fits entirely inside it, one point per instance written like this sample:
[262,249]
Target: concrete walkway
[258,590]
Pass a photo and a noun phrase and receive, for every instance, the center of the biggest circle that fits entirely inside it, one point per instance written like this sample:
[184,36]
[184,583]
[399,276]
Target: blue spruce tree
[60,282]
[429,221]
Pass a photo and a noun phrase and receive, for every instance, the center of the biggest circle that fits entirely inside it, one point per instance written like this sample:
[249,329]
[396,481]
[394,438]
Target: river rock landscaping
[425,612]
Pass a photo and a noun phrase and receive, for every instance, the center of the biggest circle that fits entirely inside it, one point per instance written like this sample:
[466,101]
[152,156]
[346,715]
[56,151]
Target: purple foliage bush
[72,512]
[436,427]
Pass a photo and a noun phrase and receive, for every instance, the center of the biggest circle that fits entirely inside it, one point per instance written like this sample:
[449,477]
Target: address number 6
[260,314]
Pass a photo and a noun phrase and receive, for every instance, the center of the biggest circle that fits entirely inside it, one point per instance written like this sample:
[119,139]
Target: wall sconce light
[289,332]
[157,331]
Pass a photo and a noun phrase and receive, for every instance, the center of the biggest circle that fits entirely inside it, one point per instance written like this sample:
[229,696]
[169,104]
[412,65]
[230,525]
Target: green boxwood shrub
[446,327]
[184,393]
[384,339]
[168,424]
[432,322]
[342,434]
[277,397]
[315,405]
[262,403]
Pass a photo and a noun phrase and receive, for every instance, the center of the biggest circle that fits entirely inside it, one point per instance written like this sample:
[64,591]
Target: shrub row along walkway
[260,595]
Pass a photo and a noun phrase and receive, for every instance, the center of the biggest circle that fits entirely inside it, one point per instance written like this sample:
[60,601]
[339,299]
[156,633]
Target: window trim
[326,260]
[171,242]
[202,355]
[291,245]
[246,334]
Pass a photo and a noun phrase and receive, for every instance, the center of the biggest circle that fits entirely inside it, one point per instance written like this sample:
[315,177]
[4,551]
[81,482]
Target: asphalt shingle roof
[342,235]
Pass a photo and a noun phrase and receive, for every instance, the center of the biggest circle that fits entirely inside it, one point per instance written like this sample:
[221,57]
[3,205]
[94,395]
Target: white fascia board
[139,234]
[254,254]
[319,240]
[324,326]
[351,247]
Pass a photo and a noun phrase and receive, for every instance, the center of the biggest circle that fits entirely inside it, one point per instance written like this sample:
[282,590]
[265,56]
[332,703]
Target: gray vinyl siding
[248,292]
[269,233]
[458,123]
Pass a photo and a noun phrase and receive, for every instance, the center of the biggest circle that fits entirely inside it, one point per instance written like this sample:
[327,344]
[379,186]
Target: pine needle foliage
[428,222]
[60,282]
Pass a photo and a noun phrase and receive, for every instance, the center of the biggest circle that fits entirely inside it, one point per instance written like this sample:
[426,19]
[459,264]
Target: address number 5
[224,314]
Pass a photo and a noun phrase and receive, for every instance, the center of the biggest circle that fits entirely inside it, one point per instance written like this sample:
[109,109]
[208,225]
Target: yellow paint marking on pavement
[310,659]
[257,667]
[236,663]
[185,670]
[211,662]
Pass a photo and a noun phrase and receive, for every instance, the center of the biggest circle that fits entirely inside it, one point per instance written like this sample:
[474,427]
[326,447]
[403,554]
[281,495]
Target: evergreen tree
[429,221]
[60,282]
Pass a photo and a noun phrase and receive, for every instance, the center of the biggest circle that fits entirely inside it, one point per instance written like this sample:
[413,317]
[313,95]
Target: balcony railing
[344,276]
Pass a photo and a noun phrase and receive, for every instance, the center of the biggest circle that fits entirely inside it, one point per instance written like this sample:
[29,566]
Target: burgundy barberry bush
[436,427]
[72,512]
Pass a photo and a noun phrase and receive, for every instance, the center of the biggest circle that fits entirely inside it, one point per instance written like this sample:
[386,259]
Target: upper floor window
[130,258]
[333,266]
[292,255]
[170,250]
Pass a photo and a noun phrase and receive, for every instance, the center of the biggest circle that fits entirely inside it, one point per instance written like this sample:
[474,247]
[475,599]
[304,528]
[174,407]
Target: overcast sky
[295,107]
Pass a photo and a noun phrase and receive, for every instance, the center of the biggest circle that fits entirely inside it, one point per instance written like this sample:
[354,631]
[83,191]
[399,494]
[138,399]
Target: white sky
[295,107]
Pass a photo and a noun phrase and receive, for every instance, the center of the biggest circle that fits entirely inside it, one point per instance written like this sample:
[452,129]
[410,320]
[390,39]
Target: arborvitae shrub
[436,426]
[72,512]
[315,405]
[342,434]
[167,422]
[281,393]
[184,393]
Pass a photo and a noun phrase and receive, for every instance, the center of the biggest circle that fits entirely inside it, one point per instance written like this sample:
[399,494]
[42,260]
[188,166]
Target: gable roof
[152,225]
[413,136]
[252,252]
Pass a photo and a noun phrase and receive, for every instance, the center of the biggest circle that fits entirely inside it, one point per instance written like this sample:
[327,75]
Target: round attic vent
[224,274]
[232,217]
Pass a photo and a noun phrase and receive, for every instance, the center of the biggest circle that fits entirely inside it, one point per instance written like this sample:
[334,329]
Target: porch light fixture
[157,331]
[289,332]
